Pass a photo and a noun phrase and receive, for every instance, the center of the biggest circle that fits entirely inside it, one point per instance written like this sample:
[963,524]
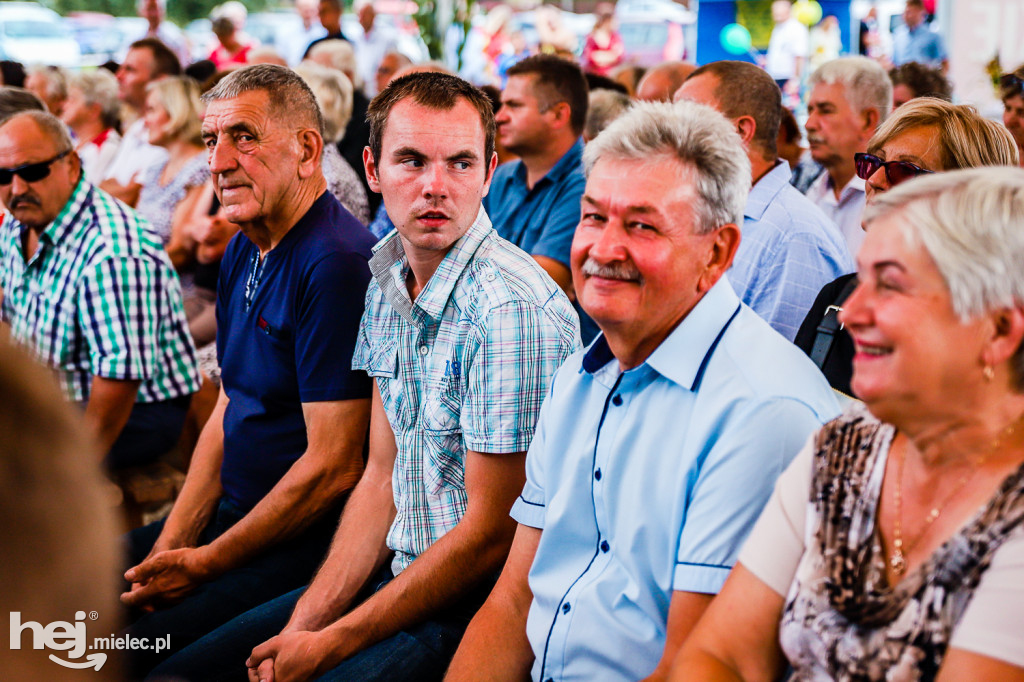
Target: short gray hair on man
[288,93]
[51,126]
[865,83]
[604,107]
[16,100]
[99,86]
[971,224]
[56,79]
[337,54]
[333,91]
[695,135]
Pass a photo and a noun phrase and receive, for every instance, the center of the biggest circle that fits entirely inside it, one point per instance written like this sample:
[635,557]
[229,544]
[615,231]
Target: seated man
[658,446]
[790,249]
[462,334]
[285,440]
[89,289]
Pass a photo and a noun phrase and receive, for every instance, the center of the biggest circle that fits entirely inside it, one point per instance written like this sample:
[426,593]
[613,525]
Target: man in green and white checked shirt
[89,289]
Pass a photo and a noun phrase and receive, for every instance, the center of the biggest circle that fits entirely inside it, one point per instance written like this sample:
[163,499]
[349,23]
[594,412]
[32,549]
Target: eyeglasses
[30,172]
[895,171]
[1011,84]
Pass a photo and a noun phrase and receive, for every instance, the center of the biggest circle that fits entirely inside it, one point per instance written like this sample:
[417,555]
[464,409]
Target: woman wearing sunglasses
[1011,87]
[926,135]
[893,546]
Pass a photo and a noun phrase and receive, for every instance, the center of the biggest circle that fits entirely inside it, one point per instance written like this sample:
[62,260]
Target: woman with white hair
[893,546]
[333,92]
[92,111]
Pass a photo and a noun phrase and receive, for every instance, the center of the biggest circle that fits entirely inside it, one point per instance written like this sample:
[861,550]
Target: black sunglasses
[30,172]
[1011,84]
[895,171]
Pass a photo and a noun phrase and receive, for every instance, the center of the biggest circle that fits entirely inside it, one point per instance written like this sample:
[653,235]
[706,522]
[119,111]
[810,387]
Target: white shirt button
[424,350]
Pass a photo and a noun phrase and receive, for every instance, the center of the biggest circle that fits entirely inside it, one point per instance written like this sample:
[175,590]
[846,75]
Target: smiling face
[912,352]
[254,158]
[432,174]
[919,146]
[35,204]
[637,266]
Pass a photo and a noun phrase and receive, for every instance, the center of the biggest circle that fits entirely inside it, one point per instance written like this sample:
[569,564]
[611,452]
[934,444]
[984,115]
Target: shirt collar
[763,193]
[389,266]
[683,356]
[571,161]
[824,185]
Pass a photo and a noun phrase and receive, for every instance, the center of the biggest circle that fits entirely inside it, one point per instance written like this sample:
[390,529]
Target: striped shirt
[464,367]
[99,297]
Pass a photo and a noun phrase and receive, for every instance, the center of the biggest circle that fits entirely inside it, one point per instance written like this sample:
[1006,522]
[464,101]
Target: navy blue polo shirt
[291,344]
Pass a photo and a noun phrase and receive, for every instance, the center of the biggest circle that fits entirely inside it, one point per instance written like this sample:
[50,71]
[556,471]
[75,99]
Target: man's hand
[167,577]
[290,657]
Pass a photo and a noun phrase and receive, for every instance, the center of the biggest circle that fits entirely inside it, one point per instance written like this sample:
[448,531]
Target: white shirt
[789,40]
[845,211]
[134,155]
[97,154]
[291,43]
[370,50]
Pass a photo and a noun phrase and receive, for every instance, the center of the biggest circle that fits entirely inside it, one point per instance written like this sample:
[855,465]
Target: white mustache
[624,271]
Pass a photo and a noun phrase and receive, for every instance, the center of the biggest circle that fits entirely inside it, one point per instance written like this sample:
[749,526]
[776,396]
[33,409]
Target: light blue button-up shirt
[921,45]
[646,482]
[789,251]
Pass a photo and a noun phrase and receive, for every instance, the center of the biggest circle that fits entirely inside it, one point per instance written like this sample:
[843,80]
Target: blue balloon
[735,39]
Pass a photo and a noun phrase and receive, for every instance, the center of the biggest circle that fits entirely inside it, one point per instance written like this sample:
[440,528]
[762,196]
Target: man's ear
[1006,337]
[311,148]
[747,128]
[491,165]
[371,170]
[871,117]
[562,114]
[725,241]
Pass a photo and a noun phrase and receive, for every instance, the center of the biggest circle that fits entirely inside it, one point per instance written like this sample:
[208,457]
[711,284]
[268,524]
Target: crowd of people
[577,379]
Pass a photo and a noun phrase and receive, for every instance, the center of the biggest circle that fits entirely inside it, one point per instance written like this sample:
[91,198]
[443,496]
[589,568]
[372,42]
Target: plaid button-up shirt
[464,367]
[99,297]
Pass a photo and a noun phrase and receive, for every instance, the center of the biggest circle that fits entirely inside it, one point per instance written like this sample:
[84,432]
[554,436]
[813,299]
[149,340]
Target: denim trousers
[280,569]
[418,653]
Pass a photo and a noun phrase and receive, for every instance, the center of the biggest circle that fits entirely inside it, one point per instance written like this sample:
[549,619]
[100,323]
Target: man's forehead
[23,141]
[248,108]
[411,120]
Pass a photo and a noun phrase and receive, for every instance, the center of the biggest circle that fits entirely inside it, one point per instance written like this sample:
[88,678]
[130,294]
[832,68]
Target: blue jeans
[421,653]
[282,568]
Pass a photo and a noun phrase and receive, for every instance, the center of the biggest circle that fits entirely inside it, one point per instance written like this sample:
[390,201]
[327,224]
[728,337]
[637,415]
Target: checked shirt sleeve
[118,308]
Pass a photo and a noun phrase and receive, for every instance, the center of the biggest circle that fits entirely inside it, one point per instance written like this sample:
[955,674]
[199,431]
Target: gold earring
[989,373]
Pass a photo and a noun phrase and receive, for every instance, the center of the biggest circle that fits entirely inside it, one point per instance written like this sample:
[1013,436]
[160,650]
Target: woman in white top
[893,547]
[92,111]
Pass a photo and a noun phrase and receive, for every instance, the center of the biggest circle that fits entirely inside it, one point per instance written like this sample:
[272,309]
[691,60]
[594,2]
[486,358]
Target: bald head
[661,82]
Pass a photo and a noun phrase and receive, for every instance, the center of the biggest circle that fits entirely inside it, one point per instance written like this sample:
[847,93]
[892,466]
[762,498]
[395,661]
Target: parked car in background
[32,34]
[97,34]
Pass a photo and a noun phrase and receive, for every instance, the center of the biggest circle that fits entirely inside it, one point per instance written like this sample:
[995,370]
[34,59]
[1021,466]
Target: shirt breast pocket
[444,469]
[383,369]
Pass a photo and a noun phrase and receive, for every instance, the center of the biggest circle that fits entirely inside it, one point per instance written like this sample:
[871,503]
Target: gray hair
[56,79]
[16,100]
[604,107]
[51,126]
[971,224]
[336,54]
[288,93]
[695,135]
[99,86]
[333,91]
[865,83]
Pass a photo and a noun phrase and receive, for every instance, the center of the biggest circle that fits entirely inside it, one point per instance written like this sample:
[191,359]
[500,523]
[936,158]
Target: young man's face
[432,173]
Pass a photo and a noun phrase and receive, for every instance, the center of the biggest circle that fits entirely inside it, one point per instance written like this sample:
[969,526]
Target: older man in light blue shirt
[790,249]
[658,446]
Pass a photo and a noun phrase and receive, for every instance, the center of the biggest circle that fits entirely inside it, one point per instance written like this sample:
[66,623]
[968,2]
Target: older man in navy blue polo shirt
[535,202]
[285,441]
[656,447]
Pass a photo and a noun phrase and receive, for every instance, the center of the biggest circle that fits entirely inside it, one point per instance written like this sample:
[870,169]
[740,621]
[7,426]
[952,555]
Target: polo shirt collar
[764,192]
[683,356]
[570,161]
[389,266]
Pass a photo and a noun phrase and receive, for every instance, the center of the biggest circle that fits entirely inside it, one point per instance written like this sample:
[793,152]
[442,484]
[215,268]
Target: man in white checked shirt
[462,334]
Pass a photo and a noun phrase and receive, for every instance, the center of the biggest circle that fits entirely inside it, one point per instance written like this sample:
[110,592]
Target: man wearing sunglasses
[87,286]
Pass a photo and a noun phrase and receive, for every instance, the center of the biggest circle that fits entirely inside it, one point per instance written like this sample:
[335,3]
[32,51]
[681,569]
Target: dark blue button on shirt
[294,345]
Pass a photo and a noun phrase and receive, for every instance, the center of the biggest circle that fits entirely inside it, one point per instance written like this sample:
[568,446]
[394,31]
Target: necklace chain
[901,548]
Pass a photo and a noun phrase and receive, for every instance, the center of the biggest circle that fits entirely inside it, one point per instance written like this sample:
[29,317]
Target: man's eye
[462,165]
[412,163]
[594,217]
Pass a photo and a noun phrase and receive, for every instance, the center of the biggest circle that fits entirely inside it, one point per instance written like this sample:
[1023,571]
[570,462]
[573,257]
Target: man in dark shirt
[285,441]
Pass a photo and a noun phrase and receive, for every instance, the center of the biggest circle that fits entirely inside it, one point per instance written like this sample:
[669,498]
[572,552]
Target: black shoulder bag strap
[830,326]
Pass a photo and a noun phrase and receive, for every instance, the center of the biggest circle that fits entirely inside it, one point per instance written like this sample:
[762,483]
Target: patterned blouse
[157,202]
[842,620]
